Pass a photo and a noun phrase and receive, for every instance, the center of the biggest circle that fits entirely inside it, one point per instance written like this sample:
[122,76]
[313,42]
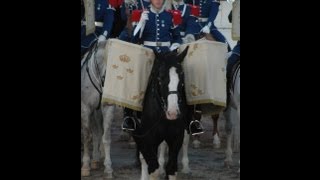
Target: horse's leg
[101,149]
[197,116]
[185,158]
[161,160]
[144,168]
[229,132]
[196,142]
[125,136]
[236,99]
[108,116]
[150,152]
[96,138]
[174,148]
[215,133]
[131,142]
[85,122]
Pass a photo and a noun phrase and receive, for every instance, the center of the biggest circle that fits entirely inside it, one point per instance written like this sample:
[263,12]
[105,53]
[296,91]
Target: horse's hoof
[185,171]
[107,176]
[216,146]
[85,172]
[161,171]
[227,164]
[216,141]
[94,165]
[196,144]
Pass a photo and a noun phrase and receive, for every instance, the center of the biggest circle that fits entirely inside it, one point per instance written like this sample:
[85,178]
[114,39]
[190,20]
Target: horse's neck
[98,62]
[151,91]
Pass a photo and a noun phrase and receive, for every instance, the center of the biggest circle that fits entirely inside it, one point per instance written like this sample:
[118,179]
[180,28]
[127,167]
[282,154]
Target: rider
[202,16]
[104,17]
[127,8]
[205,13]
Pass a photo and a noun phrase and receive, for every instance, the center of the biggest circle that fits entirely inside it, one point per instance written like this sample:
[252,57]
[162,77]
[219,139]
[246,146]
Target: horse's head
[170,81]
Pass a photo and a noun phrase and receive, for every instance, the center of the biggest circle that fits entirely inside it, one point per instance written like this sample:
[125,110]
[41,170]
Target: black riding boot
[129,123]
[195,126]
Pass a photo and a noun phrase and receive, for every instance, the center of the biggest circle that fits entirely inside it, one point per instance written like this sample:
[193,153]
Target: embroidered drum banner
[127,73]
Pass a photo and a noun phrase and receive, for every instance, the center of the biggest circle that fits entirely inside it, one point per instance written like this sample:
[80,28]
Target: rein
[92,51]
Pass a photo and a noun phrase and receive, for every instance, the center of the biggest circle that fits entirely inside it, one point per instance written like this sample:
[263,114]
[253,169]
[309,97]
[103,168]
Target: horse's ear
[183,54]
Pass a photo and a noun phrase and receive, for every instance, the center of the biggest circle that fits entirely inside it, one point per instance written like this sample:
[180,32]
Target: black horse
[164,114]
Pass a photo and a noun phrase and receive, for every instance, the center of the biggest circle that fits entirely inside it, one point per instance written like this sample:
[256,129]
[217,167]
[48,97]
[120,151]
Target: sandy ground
[205,163]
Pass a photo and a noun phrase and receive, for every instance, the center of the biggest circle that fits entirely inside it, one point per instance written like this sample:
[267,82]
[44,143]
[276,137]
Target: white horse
[235,104]
[93,114]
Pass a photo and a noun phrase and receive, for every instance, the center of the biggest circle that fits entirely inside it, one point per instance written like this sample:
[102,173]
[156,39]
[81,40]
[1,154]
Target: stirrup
[193,134]
[128,129]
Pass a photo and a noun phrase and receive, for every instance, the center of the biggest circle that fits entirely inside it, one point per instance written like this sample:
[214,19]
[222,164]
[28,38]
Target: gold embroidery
[119,77]
[115,66]
[139,97]
[124,58]
[195,91]
[129,70]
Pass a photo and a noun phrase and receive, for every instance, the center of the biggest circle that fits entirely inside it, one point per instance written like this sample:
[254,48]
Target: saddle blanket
[205,74]
[127,73]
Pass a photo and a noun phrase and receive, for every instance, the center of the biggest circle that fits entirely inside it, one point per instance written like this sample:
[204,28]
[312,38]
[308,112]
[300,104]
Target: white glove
[174,46]
[188,38]
[101,38]
[205,29]
[144,17]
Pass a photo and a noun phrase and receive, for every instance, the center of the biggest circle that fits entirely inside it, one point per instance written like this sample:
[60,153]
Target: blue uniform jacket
[159,28]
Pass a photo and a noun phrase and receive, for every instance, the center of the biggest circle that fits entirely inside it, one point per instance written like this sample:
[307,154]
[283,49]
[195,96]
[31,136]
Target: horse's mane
[169,59]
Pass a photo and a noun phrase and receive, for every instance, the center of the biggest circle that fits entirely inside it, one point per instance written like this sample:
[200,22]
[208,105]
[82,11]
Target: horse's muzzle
[172,115]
